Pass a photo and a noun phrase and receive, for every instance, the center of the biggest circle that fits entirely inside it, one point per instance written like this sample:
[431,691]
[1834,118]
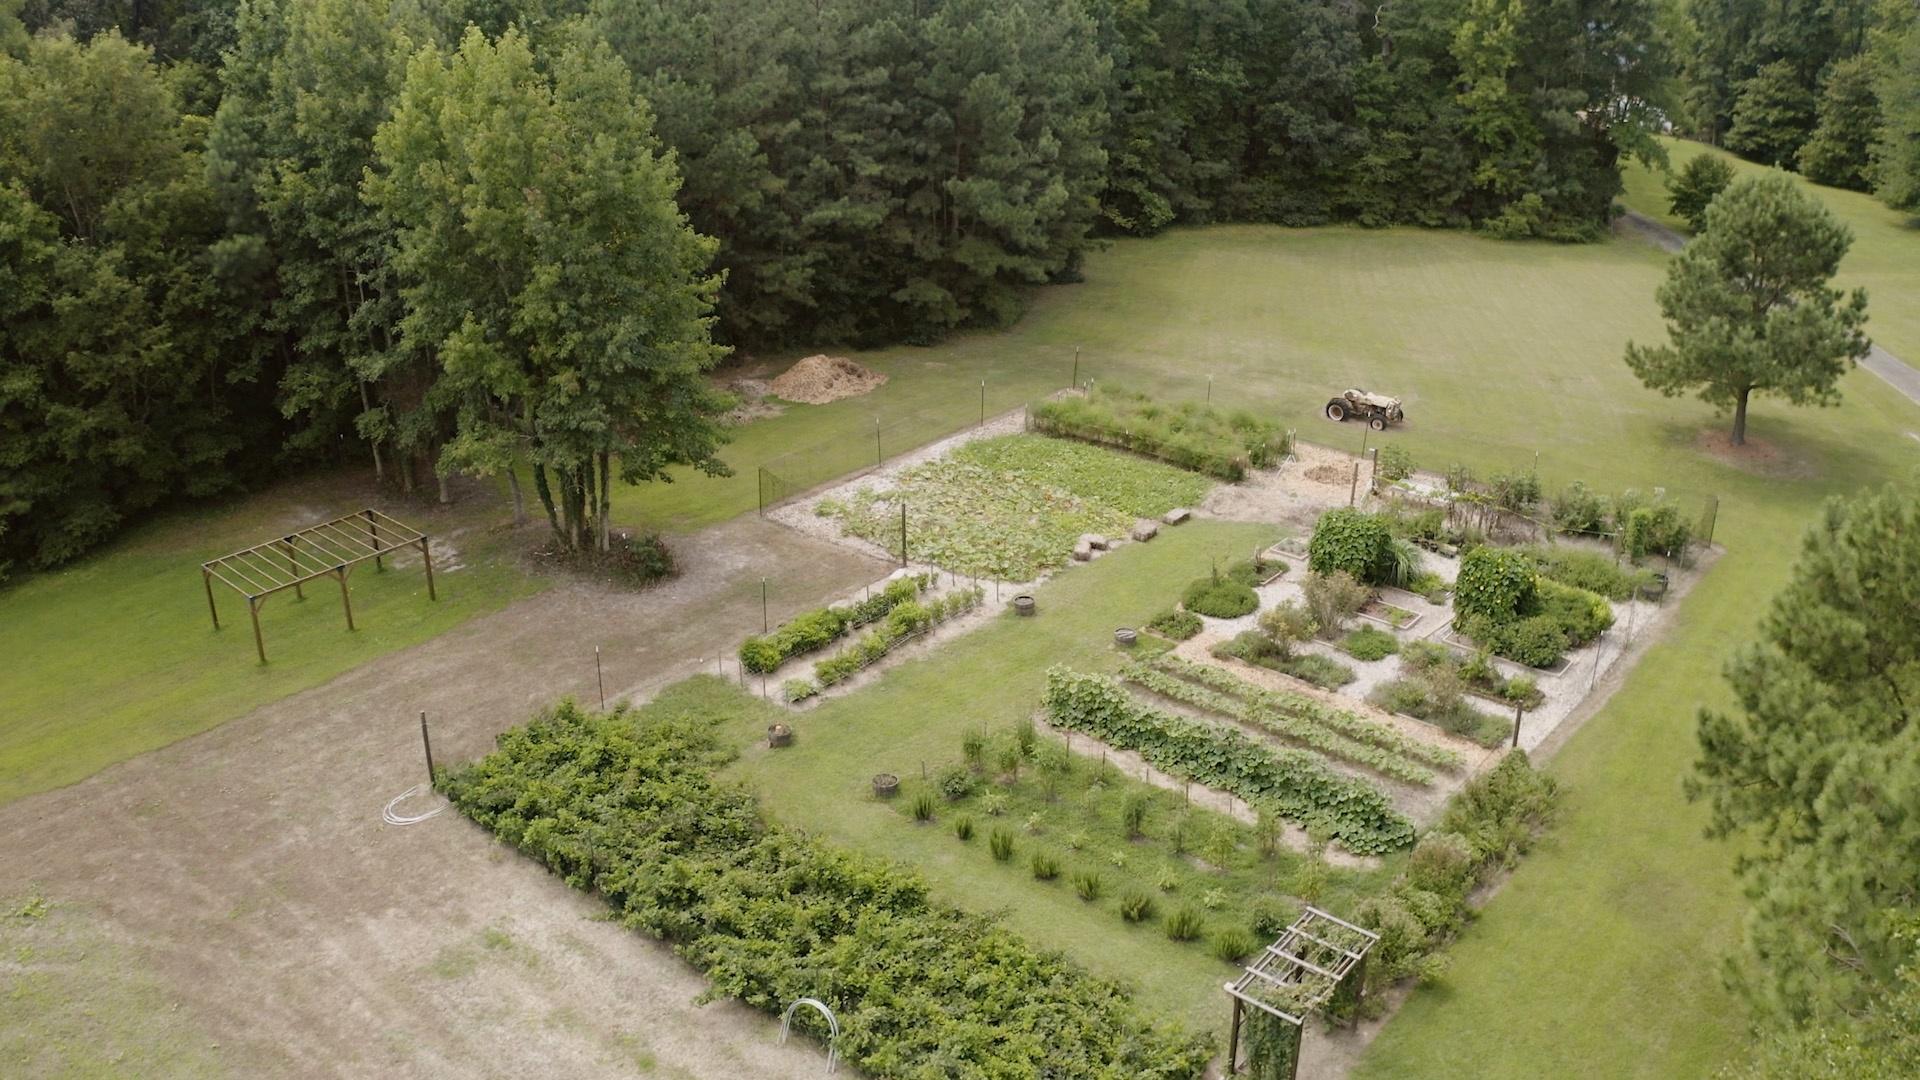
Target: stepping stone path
[1144,530]
[1177,516]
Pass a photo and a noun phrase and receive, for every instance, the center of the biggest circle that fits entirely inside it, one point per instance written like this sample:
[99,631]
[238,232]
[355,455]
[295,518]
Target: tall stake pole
[764,624]
[877,458]
[426,743]
[1516,725]
[1075,384]
[903,534]
[1353,488]
[983,402]
[599,678]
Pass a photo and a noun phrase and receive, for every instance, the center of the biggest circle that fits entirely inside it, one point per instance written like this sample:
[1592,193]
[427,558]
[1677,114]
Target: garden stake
[1354,486]
[426,743]
[599,678]
[763,606]
[983,402]
[903,531]
[1516,725]
[877,459]
[1075,384]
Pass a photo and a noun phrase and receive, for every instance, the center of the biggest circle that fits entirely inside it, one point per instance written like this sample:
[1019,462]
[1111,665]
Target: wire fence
[861,450]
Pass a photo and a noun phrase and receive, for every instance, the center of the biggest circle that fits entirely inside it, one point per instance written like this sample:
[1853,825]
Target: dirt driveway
[234,901]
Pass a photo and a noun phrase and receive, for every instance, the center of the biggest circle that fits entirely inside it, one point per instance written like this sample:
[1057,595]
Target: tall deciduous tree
[1772,116]
[541,257]
[1818,769]
[1840,148]
[1750,307]
[1896,151]
[1700,181]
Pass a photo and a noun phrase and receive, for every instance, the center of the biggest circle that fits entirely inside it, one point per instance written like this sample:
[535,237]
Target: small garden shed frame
[1313,960]
[328,549]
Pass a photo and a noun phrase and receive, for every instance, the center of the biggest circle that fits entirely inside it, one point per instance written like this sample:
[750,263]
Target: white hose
[390,817]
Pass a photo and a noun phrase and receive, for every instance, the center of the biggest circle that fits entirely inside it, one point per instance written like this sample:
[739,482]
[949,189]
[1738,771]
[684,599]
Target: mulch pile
[819,379]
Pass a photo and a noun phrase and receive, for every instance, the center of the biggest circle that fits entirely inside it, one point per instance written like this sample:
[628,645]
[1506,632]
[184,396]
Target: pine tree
[1772,116]
[1839,150]
[1818,769]
[1896,152]
[1750,307]
[1691,190]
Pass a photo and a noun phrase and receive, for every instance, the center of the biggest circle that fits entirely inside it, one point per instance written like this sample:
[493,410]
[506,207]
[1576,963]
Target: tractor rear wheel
[1377,422]
[1336,410]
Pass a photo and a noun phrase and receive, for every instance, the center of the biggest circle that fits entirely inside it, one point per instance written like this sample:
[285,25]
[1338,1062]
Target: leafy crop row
[819,628]
[1352,725]
[1294,784]
[1192,436]
[904,622]
[1305,732]
[626,805]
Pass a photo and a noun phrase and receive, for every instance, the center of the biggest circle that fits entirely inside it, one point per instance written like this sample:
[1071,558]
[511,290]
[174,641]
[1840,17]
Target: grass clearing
[115,655]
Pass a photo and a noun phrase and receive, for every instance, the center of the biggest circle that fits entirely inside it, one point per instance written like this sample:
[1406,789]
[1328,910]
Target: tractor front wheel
[1336,410]
[1378,423]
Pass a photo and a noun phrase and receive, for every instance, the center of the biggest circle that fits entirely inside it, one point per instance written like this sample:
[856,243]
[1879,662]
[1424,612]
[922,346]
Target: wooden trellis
[329,549]
[1315,958]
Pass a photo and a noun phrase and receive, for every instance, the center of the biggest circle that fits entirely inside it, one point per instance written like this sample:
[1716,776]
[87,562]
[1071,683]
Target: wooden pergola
[1313,960]
[329,549]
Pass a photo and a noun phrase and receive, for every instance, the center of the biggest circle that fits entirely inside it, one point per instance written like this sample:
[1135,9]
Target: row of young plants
[1294,784]
[821,627]
[905,622]
[1477,673]
[1350,724]
[626,805]
[1258,648]
[1126,849]
[1274,722]
[1192,436]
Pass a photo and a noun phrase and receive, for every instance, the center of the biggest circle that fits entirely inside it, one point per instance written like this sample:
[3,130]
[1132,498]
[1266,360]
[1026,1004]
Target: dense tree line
[1830,88]
[866,171]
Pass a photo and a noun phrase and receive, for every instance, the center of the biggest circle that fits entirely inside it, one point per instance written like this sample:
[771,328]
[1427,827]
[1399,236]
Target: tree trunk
[1740,417]
[519,497]
[545,492]
[379,468]
[602,510]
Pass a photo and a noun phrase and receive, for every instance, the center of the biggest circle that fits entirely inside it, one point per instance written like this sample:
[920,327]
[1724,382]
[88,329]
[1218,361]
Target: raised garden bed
[1459,641]
[1391,616]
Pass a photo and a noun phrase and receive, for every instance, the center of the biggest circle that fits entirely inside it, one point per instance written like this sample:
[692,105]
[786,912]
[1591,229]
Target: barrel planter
[1125,637]
[886,785]
[1023,604]
[779,735]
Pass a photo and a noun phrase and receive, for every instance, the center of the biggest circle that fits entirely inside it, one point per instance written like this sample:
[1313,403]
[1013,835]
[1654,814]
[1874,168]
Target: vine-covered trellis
[1318,960]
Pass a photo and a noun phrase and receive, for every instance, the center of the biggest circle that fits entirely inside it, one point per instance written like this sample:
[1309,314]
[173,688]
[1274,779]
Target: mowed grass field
[116,655]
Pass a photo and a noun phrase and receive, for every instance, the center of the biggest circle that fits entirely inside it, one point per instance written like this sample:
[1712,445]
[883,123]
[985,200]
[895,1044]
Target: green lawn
[115,655]
[1886,244]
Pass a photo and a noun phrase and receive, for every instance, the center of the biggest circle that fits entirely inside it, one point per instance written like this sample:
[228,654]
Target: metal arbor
[1313,960]
[329,549]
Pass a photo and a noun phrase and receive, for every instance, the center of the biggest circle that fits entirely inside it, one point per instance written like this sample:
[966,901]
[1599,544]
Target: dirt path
[240,891]
[1898,373]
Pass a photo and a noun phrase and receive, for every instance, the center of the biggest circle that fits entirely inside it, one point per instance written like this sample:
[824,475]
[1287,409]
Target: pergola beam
[325,549]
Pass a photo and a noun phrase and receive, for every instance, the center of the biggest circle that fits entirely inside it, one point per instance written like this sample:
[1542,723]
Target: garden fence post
[983,402]
[1516,725]
[1353,488]
[427,744]
[1075,384]
[764,627]
[878,458]
[903,535]
[599,679]
[1209,389]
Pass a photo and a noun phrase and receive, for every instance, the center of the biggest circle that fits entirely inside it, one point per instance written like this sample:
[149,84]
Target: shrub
[1656,529]
[1272,917]
[1395,463]
[1178,625]
[1167,881]
[1584,569]
[1350,542]
[1185,924]
[922,806]
[973,747]
[1133,815]
[1088,885]
[1371,643]
[1000,842]
[1581,615]
[1402,565]
[1136,907]
[1220,597]
[1517,492]
[1288,624]
[1250,645]
[1496,583]
[804,633]
[957,782]
[1322,671]
[1333,599]
[1231,944]
[963,828]
[1026,736]
[1579,509]
[795,690]
[1422,655]
[1536,641]
[1044,866]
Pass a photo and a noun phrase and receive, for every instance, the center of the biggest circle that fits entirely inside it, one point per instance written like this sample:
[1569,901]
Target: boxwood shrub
[1496,583]
[1220,597]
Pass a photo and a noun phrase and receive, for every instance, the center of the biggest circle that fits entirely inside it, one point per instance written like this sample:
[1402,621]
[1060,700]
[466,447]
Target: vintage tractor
[1378,410]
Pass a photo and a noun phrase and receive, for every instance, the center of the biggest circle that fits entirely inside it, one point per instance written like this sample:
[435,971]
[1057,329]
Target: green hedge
[626,805]
[1295,785]
[820,627]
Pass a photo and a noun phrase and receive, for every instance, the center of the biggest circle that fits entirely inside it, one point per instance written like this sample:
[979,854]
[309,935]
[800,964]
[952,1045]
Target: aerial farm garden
[1163,687]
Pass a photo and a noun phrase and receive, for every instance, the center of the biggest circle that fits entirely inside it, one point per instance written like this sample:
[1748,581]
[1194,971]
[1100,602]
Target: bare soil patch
[820,378]
[1756,456]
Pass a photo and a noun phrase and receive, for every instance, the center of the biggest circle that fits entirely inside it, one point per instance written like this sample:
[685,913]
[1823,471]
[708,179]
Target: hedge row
[1296,785]
[820,627]
[626,805]
[902,623]
[1199,438]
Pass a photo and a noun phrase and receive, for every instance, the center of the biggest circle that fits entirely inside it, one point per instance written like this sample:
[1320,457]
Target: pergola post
[346,600]
[293,567]
[206,578]
[426,559]
[259,643]
[1233,1041]
[373,531]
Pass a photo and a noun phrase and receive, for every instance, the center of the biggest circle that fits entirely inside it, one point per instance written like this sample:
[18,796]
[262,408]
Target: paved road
[1898,373]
